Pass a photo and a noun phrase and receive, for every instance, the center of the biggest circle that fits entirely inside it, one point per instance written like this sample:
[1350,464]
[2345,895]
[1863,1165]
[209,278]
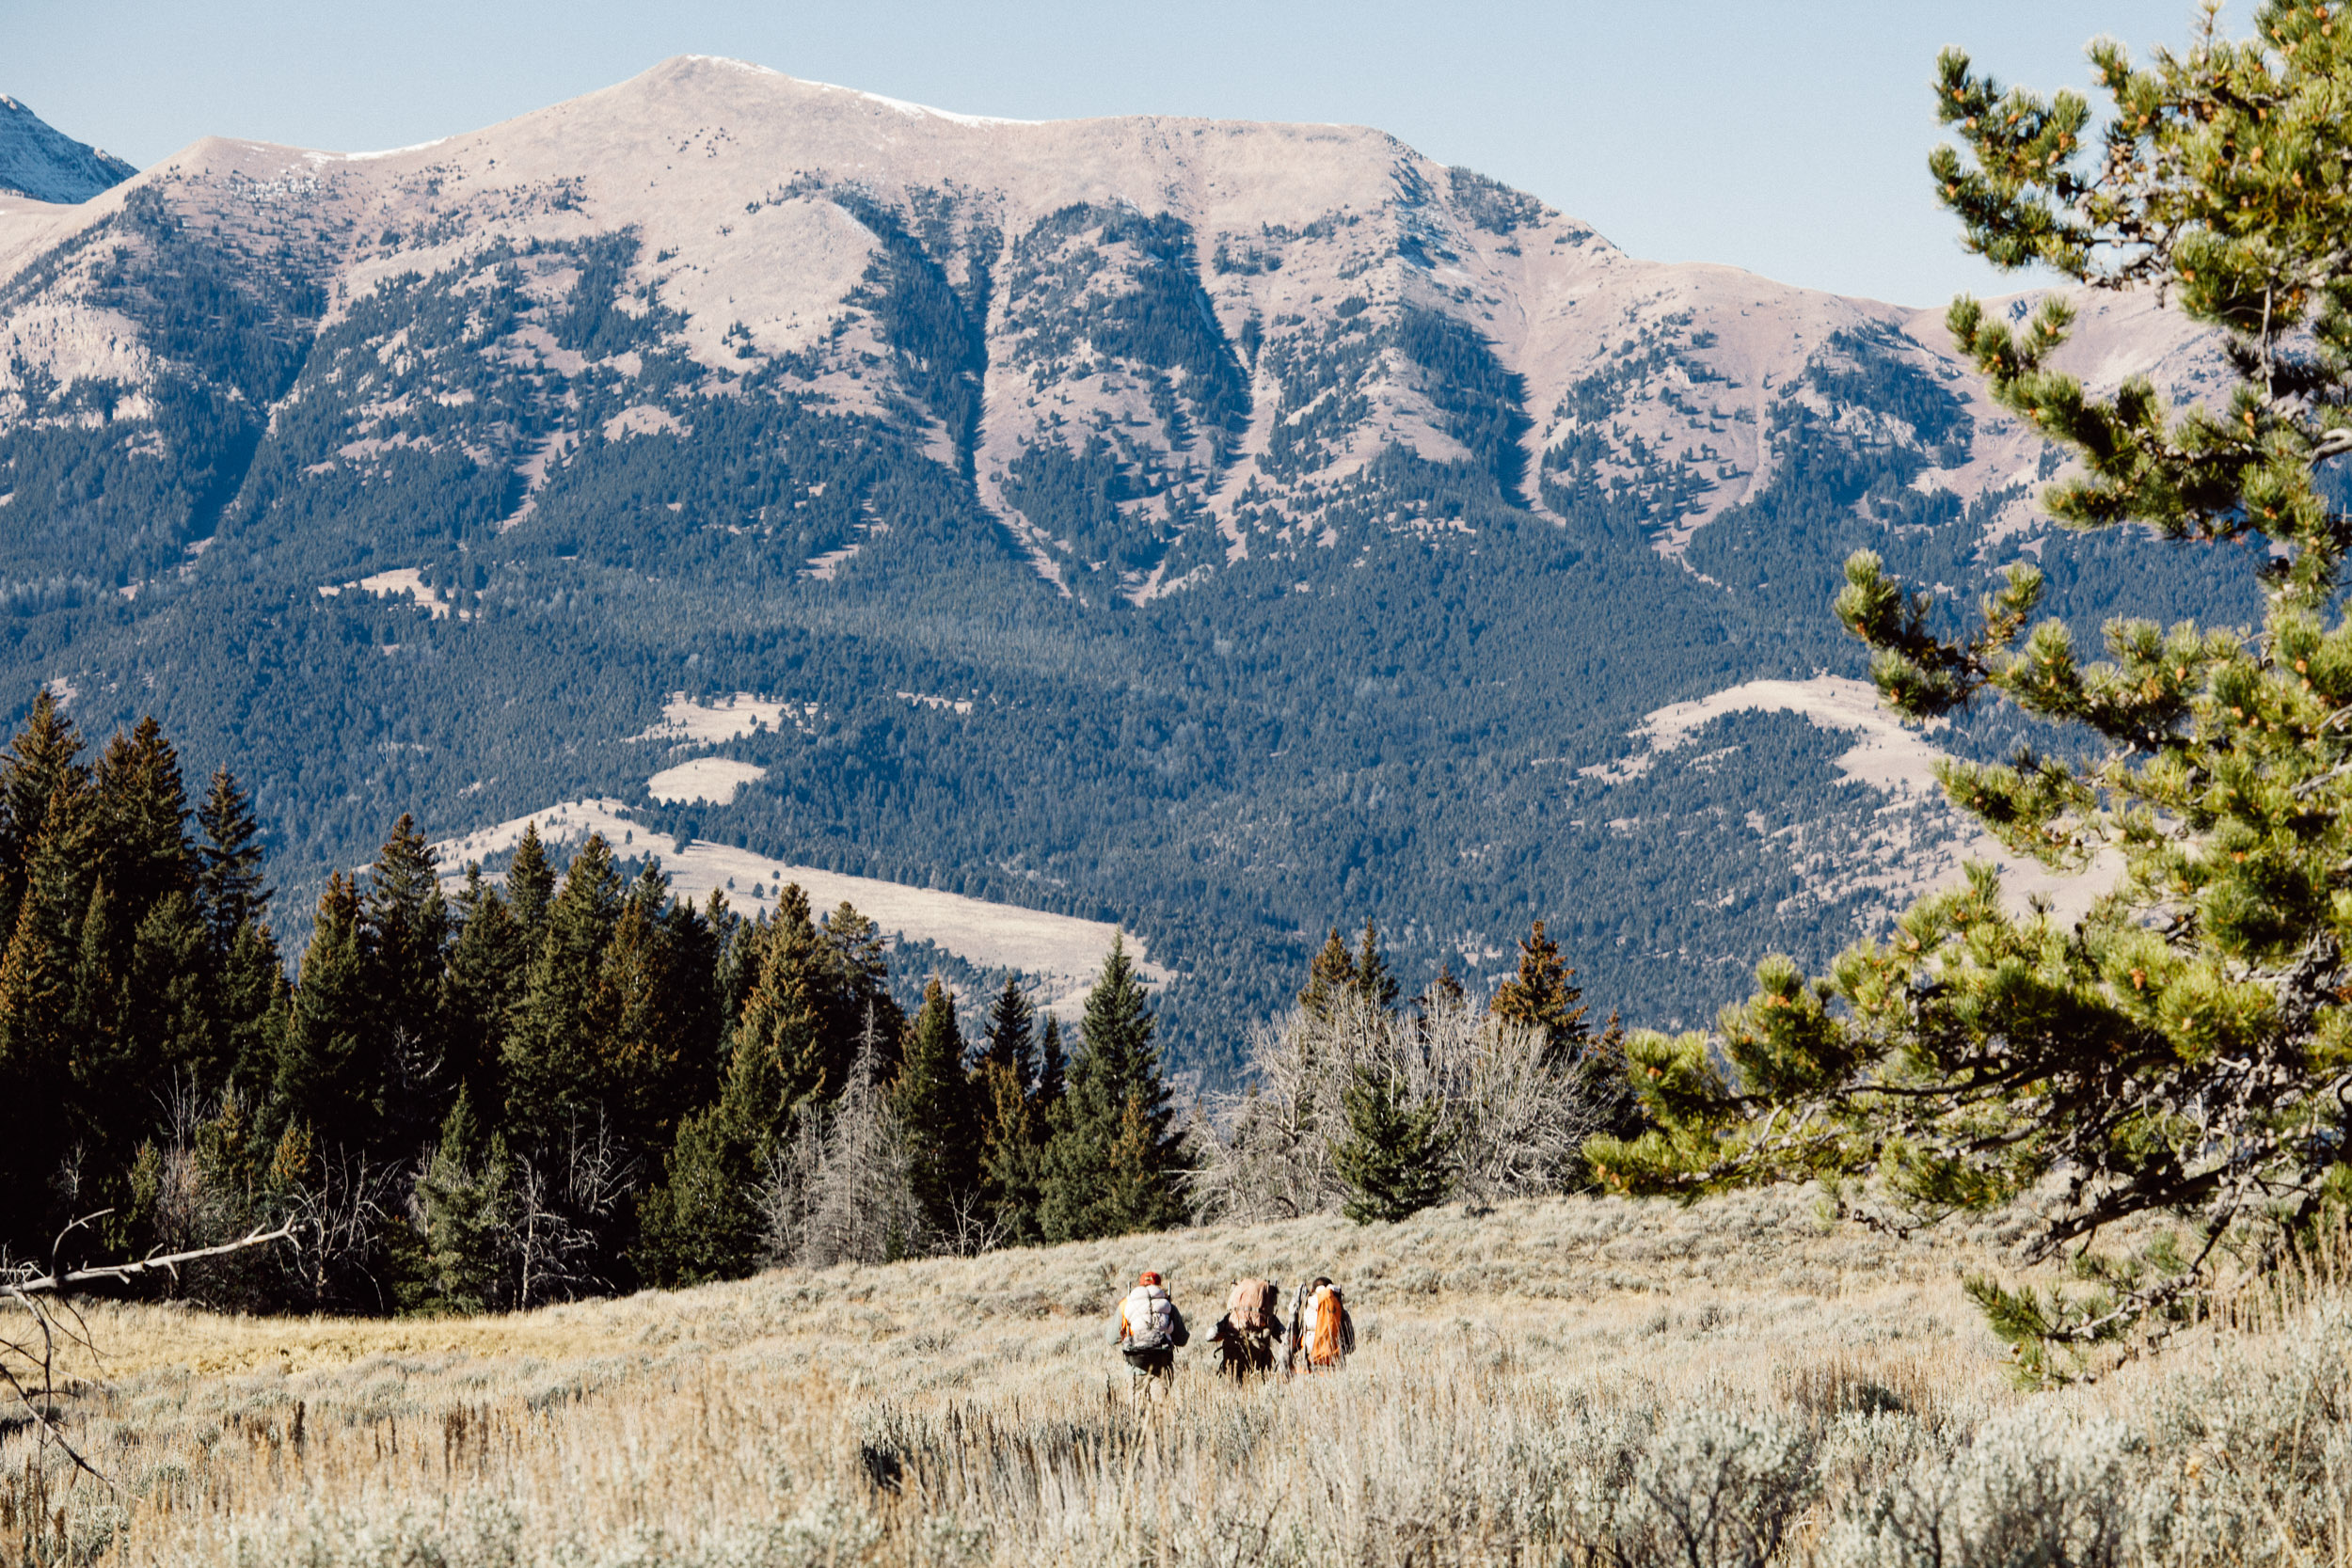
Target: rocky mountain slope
[39,162]
[1226,529]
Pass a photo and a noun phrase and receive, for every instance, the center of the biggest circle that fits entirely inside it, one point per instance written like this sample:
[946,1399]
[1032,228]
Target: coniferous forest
[567,1080]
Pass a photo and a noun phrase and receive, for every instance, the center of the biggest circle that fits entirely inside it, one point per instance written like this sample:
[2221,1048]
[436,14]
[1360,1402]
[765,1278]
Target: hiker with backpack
[1321,1331]
[1245,1336]
[1149,1331]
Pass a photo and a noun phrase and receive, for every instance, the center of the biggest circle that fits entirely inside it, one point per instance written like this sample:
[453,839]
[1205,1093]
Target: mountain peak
[38,160]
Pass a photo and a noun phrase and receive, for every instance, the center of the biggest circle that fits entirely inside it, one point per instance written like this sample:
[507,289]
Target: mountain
[42,164]
[1228,530]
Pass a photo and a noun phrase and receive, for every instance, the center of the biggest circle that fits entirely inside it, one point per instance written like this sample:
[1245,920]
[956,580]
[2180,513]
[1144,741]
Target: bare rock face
[42,164]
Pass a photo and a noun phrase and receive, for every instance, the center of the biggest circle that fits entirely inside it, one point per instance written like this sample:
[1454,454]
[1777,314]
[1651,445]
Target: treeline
[575,1082]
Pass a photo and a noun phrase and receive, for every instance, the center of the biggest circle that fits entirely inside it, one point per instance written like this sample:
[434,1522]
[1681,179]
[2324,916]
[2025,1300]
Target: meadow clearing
[1574,1380]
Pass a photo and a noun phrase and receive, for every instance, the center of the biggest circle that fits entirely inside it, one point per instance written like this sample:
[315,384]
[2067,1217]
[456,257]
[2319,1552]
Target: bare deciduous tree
[1511,1120]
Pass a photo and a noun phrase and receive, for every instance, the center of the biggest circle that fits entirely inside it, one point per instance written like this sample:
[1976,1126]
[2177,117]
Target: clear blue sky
[1785,136]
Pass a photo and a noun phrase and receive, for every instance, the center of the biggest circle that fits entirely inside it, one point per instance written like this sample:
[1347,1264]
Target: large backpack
[1251,1305]
[1150,1318]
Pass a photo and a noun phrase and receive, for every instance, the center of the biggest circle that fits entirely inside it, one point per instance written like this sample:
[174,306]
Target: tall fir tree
[42,760]
[940,1115]
[1329,977]
[482,987]
[779,1050]
[38,1043]
[1543,993]
[142,807]
[1114,1164]
[1393,1156]
[530,886]
[407,949]
[230,887]
[1373,980]
[328,1083]
[553,1088]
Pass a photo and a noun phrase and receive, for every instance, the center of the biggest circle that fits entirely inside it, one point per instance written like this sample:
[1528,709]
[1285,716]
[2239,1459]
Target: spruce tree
[465,1195]
[2183,1049]
[328,1083]
[530,886]
[1052,1070]
[1011,1025]
[553,1085]
[230,889]
[780,1046]
[142,810]
[1394,1157]
[482,987]
[37,1003]
[1331,977]
[1543,994]
[42,761]
[939,1113]
[407,949]
[1372,979]
[1114,1164]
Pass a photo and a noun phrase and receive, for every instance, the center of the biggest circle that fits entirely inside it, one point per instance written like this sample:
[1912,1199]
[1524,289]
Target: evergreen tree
[142,813]
[1331,976]
[173,1004]
[1052,1070]
[939,1113]
[779,1050]
[530,886]
[1543,994]
[36,1002]
[1114,1164]
[465,1195]
[1372,979]
[256,1006]
[230,889]
[553,1086]
[700,1223]
[856,983]
[482,987]
[1393,1158]
[1011,1025]
[327,1082]
[2181,1050]
[40,762]
[407,949]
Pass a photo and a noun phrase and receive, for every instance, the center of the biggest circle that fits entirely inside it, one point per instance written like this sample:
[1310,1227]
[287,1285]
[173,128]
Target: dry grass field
[1567,1380]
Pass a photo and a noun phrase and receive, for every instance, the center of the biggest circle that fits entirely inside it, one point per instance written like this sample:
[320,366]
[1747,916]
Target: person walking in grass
[1322,1332]
[1245,1336]
[1150,1331]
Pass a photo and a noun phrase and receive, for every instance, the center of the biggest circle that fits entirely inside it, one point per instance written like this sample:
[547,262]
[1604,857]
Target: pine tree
[327,1082]
[1052,1070]
[1543,994]
[939,1113]
[37,1001]
[1331,976]
[553,1086]
[482,988]
[1372,979]
[405,945]
[2182,1050]
[530,886]
[1393,1158]
[230,889]
[256,1004]
[856,983]
[1114,1165]
[779,1057]
[463,1195]
[142,823]
[1011,1025]
[41,762]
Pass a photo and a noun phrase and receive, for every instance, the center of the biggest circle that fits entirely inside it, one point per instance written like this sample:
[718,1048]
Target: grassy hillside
[1548,1381]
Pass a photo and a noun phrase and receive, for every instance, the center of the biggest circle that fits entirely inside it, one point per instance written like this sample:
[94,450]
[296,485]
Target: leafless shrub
[835,1190]
[1512,1119]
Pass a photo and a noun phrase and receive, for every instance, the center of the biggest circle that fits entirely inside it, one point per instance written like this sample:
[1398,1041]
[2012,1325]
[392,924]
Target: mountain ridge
[1274,526]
